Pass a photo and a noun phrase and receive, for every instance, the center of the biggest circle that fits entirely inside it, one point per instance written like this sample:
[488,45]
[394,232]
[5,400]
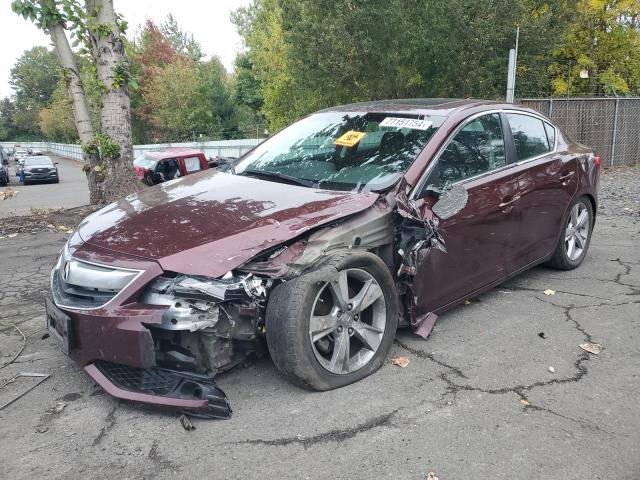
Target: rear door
[480,239]
[548,181]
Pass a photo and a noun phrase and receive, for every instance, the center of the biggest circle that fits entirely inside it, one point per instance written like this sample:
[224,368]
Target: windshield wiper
[279,176]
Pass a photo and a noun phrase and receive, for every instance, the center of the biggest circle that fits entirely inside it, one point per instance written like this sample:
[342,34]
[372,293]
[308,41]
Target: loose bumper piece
[197,394]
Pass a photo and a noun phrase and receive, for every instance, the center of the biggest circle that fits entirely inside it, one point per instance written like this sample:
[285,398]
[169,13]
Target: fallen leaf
[548,291]
[55,409]
[431,476]
[594,348]
[524,402]
[399,361]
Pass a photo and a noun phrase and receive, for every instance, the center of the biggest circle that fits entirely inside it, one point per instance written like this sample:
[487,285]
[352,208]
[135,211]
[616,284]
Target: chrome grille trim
[88,285]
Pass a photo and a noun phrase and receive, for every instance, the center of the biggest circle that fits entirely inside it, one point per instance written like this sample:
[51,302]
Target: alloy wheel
[577,231]
[348,320]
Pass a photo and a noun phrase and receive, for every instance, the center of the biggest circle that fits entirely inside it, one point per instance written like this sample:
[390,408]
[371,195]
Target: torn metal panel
[368,230]
[424,325]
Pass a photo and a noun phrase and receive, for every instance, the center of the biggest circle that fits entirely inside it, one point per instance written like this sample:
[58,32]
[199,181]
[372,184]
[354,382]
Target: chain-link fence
[611,126]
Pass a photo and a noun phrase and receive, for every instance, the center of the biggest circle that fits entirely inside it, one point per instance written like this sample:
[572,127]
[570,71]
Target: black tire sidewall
[311,374]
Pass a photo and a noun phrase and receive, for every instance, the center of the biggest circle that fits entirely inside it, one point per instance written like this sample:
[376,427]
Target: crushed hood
[212,222]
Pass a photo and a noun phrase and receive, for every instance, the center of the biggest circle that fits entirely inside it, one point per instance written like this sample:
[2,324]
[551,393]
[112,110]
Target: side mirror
[451,201]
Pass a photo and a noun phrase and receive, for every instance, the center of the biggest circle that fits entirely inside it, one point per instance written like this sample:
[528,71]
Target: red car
[162,165]
[322,241]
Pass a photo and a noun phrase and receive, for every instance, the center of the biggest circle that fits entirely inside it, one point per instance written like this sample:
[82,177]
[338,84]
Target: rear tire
[364,330]
[575,236]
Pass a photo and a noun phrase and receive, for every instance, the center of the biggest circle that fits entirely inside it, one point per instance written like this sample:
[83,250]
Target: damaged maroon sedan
[317,245]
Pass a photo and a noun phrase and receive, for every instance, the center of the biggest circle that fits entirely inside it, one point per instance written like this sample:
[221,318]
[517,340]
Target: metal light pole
[511,74]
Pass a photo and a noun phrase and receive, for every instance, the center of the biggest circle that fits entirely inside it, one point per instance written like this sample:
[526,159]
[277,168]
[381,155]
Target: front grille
[75,296]
[169,384]
[78,284]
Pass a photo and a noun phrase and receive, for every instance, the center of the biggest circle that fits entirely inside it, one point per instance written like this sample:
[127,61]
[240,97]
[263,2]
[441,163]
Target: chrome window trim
[423,178]
[57,267]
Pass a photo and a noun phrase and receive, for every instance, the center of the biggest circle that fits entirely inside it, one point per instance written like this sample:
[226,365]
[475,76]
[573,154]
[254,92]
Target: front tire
[328,329]
[575,236]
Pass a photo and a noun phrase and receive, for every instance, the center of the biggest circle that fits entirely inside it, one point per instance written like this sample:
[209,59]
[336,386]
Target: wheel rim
[348,320]
[577,231]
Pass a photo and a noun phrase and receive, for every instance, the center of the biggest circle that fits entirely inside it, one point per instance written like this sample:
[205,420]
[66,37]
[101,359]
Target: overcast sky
[207,20]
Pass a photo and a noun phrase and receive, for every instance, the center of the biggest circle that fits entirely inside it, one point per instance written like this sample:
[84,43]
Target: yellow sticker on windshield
[349,139]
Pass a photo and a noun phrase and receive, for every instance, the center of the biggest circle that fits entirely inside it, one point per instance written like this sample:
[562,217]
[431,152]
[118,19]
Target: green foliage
[311,54]
[34,78]
[103,146]
[603,39]
[56,120]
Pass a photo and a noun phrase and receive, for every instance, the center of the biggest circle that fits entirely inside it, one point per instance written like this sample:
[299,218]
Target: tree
[34,78]
[183,42]
[310,54]
[56,120]
[604,41]
[95,25]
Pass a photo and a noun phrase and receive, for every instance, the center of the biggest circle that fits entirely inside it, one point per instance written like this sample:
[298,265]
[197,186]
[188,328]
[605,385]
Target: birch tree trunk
[80,109]
[115,113]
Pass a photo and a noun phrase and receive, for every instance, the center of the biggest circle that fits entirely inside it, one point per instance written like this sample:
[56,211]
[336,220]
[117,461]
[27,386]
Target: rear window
[39,161]
[529,135]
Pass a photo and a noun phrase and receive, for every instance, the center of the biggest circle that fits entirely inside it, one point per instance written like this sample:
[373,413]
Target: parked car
[40,169]
[4,156]
[160,166]
[4,174]
[20,154]
[342,227]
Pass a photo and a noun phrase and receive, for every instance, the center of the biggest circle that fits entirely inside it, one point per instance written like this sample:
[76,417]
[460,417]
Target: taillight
[597,161]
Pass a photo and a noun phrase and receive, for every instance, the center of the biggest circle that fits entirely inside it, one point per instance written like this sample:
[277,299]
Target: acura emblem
[65,271]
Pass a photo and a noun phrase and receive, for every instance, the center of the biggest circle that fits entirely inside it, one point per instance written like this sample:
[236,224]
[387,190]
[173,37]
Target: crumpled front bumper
[117,352]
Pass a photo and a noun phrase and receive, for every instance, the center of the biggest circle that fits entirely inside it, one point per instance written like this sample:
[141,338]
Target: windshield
[344,151]
[40,161]
[145,162]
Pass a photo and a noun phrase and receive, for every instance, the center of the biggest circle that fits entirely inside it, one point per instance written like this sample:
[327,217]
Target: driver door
[479,239]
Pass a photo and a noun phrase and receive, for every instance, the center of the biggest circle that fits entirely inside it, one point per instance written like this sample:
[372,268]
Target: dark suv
[4,174]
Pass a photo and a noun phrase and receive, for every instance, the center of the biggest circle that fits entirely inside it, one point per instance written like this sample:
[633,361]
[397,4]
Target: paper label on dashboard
[399,122]
[350,139]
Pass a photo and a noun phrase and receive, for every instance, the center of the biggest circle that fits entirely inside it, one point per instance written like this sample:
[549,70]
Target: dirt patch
[41,220]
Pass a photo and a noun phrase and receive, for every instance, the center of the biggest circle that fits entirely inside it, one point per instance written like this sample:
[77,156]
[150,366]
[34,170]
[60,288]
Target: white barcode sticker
[399,122]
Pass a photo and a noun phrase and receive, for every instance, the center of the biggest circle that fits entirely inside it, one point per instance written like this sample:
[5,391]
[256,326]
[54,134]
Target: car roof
[172,152]
[422,106]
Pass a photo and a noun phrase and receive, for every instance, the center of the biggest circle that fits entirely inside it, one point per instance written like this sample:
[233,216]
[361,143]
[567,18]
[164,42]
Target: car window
[551,134]
[529,135]
[353,151]
[38,161]
[477,148]
[192,164]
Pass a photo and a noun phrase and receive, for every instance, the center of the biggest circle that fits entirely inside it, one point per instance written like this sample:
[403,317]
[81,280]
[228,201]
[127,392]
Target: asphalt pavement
[477,400]
[72,191]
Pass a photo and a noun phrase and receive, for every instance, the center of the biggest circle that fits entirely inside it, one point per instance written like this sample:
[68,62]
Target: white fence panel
[224,148]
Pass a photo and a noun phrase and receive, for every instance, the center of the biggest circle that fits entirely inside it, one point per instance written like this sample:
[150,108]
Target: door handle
[566,176]
[506,203]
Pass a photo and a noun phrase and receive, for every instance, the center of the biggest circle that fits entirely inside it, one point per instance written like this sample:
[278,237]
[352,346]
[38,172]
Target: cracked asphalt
[476,401]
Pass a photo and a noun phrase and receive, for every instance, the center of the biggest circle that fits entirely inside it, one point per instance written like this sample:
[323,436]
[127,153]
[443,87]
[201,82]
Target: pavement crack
[158,460]
[429,356]
[337,435]
[110,422]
